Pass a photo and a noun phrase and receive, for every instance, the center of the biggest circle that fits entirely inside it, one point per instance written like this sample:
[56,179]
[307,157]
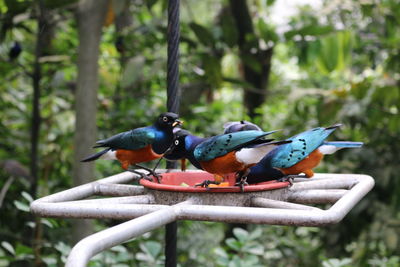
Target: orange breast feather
[130,157]
[223,165]
[306,165]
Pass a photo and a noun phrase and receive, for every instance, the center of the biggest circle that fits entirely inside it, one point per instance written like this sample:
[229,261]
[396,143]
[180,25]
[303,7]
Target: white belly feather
[328,149]
[253,155]
[110,155]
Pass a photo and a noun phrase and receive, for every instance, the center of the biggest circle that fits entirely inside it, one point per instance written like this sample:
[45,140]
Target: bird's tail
[100,143]
[96,155]
[337,125]
[332,147]
[344,144]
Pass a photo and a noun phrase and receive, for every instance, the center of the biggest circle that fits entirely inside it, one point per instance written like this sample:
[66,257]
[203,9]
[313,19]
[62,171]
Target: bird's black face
[178,148]
[168,119]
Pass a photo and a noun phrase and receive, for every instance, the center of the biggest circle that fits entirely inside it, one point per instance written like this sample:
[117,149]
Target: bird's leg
[141,174]
[152,172]
[217,180]
[183,164]
[289,178]
[242,175]
[206,183]
[168,151]
[156,166]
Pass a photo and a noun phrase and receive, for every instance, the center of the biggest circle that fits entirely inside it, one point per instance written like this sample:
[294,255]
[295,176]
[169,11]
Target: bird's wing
[302,145]
[130,140]
[222,144]
[289,154]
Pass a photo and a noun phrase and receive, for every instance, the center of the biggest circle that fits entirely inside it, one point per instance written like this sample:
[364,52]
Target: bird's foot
[140,174]
[206,183]
[151,172]
[156,175]
[242,183]
[289,178]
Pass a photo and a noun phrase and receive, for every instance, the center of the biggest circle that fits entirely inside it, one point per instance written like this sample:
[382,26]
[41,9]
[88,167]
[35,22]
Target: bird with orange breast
[139,145]
[302,155]
[223,154]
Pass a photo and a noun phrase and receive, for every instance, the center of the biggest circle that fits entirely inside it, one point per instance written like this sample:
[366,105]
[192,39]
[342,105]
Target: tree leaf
[21,206]
[27,196]
[233,243]
[335,52]
[267,32]
[8,247]
[241,234]
[202,34]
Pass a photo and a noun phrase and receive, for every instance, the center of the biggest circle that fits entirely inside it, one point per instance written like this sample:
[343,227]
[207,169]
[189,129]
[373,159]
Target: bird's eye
[176,142]
[165,119]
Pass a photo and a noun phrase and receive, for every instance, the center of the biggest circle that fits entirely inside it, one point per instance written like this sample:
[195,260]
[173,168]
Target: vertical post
[173,98]
[171,230]
[173,35]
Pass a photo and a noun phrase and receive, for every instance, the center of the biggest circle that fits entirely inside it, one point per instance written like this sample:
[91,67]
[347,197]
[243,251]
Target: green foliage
[337,64]
[334,53]
[244,250]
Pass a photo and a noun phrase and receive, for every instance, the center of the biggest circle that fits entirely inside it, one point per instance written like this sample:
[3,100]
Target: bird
[183,145]
[14,51]
[179,152]
[237,126]
[139,145]
[303,154]
[119,44]
[223,154]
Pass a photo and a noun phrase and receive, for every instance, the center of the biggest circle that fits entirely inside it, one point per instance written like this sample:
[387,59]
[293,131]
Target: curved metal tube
[85,249]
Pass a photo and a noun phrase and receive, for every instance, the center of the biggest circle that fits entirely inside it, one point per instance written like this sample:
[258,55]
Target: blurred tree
[255,59]
[90,16]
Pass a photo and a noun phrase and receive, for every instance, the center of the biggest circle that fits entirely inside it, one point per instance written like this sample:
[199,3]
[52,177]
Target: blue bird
[223,154]
[140,144]
[300,156]
[14,51]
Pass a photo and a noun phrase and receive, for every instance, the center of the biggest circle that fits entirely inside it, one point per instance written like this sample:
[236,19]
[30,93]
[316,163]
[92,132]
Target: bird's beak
[177,122]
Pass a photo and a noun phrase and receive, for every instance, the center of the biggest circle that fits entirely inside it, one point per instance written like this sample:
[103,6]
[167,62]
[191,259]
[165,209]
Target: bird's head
[237,126]
[168,120]
[178,150]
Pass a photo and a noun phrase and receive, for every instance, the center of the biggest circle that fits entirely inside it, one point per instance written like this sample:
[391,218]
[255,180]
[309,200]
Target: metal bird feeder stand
[152,205]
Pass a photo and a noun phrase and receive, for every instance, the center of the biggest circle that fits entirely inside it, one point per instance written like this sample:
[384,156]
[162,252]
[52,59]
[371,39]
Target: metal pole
[173,98]
[171,230]
[173,35]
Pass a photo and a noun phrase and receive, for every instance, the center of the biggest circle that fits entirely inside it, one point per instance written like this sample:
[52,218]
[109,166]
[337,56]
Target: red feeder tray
[185,181]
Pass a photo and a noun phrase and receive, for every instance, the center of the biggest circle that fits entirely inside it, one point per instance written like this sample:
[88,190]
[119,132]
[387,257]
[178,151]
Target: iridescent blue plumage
[296,157]
[140,144]
[285,157]
[159,135]
[184,145]
[131,140]
[301,146]
[222,144]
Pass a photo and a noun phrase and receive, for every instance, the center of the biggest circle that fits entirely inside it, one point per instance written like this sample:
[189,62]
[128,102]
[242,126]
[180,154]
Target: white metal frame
[145,212]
